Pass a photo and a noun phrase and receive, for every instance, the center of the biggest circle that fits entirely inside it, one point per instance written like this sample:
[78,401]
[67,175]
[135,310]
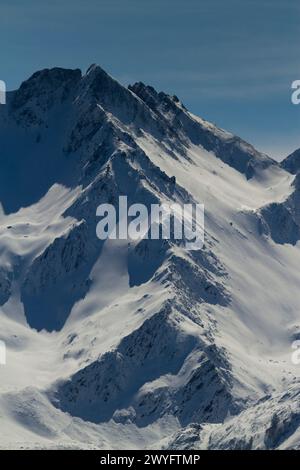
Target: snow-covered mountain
[292,162]
[145,345]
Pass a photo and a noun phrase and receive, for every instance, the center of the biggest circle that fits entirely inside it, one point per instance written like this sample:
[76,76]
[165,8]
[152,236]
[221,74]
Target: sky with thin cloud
[229,61]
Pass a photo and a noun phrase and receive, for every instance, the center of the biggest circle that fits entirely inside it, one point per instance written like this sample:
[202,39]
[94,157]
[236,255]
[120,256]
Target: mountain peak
[55,74]
[292,162]
[96,72]
[45,81]
[105,89]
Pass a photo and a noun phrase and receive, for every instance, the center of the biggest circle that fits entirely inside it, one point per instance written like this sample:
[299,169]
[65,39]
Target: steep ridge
[229,148]
[292,162]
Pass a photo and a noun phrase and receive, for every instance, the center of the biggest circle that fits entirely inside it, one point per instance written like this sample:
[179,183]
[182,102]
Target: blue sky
[230,61]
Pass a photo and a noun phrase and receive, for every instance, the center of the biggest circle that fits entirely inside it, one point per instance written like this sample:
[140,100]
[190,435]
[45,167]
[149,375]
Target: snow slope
[142,345]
